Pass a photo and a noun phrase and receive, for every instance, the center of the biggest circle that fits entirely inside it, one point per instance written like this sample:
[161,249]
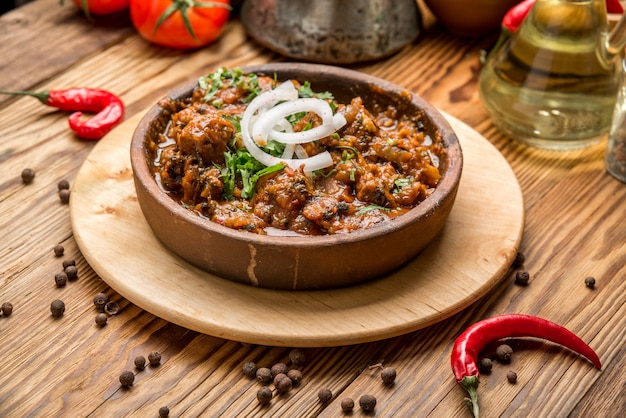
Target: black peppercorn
[60,279]
[154,358]
[511,376]
[485,365]
[367,403]
[127,378]
[57,308]
[100,301]
[282,383]
[295,375]
[388,375]
[590,282]
[504,353]
[58,251]
[164,412]
[112,308]
[63,184]
[140,362]
[28,175]
[347,404]
[68,262]
[101,319]
[249,369]
[297,357]
[64,195]
[7,309]
[264,395]
[522,277]
[71,272]
[279,368]
[264,375]
[325,395]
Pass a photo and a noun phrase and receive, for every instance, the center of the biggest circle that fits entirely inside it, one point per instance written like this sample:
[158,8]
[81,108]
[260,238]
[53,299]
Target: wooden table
[574,228]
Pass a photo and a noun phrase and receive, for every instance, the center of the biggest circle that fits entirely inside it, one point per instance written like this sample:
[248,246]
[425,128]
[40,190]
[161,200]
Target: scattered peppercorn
[511,376]
[154,358]
[264,395]
[367,403]
[295,375]
[111,308]
[278,368]
[264,375]
[57,307]
[388,375]
[485,365]
[522,277]
[58,251]
[101,319]
[164,412]
[71,272]
[60,279]
[325,395]
[68,262]
[64,195]
[7,309]
[28,175]
[504,353]
[63,184]
[518,261]
[100,301]
[127,378]
[140,362]
[347,404]
[590,282]
[297,357]
[282,383]
[249,369]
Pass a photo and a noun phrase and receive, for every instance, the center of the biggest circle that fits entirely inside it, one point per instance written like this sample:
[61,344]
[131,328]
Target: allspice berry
[388,375]
[297,357]
[347,404]
[511,376]
[154,358]
[485,365]
[264,375]
[295,375]
[249,369]
[64,195]
[111,308]
[60,279]
[58,251]
[102,319]
[164,412]
[279,368]
[518,261]
[63,184]
[264,395]
[100,301]
[367,403]
[590,282]
[68,262]
[28,175]
[504,353]
[57,307]
[140,362]
[282,383]
[522,277]
[325,395]
[71,272]
[127,378]
[7,308]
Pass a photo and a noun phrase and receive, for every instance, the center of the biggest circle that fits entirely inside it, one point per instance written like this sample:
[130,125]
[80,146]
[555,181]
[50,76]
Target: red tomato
[102,7]
[162,22]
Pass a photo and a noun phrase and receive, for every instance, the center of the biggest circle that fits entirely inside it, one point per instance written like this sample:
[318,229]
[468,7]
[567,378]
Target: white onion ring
[256,128]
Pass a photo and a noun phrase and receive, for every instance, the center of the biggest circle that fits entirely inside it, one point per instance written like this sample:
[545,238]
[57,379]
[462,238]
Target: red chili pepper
[108,109]
[475,338]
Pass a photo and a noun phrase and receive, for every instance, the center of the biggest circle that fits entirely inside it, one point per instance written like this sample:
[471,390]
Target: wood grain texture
[70,367]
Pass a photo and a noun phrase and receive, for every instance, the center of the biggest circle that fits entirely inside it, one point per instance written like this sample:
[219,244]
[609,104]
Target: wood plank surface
[69,366]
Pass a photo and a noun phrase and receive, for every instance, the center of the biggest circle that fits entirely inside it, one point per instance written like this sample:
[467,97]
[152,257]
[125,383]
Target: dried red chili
[476,337]
[108,108]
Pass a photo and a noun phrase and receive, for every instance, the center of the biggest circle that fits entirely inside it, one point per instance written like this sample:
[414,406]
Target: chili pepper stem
[41,96]
[470,384]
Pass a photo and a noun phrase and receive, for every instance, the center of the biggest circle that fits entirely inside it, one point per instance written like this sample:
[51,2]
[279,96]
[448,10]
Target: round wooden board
[470,256]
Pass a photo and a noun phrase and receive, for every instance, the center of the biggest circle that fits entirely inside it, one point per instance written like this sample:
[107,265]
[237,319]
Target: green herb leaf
[369,208]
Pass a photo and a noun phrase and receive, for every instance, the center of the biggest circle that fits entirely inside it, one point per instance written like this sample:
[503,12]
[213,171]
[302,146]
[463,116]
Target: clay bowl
[301,262]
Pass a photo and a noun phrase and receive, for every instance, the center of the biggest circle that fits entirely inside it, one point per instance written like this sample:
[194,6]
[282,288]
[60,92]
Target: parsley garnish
[241,163]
